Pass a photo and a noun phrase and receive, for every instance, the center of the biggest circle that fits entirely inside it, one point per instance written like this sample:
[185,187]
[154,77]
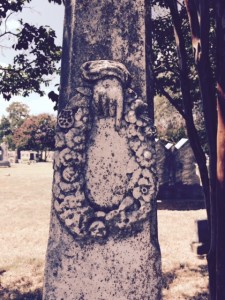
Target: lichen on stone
[73,207]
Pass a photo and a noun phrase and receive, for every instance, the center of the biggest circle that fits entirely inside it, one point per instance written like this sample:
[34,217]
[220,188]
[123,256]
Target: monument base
[124,269]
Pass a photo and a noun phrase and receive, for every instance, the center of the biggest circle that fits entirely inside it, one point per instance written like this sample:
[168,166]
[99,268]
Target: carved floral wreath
[74,126]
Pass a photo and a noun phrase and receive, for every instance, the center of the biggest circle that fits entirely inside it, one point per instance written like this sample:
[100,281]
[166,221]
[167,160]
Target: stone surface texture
[103,234]
[107,160]
[110,30]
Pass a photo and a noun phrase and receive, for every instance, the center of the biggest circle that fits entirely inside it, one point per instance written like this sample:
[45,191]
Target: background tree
[5,128]
[5,132]
[36,54]
[36,133]
[175,74]
[169,123]
[220,175]
[198,30]
[17,114]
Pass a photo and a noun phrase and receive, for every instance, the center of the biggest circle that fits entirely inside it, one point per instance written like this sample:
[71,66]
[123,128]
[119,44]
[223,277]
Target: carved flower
[131,117]
[72,202]
[75,139]
[144,156]
[68,157]
[69,187]
[70,174]
[137,114]
[144,190]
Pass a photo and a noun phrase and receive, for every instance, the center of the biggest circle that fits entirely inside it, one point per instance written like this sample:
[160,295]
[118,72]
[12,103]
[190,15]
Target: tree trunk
[45,151]
[187,102]
[198,13]
[220,197]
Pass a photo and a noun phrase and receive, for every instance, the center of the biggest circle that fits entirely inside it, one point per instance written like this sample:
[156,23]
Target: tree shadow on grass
[198,296]
[170,277]
[19,290]
[167,280]
[201,295]
[15,294]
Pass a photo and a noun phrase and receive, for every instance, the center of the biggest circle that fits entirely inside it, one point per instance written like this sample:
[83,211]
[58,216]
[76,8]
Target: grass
[25,199]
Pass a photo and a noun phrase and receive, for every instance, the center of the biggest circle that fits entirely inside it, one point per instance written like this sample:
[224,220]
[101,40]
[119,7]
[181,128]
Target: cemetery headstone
[103,240]
[166,170]
[12,156]
[201,243]
[187,180]
[4,157]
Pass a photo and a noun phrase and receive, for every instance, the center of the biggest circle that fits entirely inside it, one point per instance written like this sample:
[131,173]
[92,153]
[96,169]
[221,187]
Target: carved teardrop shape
[107,161]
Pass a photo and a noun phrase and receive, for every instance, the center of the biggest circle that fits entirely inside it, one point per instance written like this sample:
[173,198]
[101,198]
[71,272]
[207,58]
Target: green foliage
[57,1]
[166,65]
[6,132]
[167,69]
[169,123]
[5,128]
[12,6]
[17,113]
[36,54]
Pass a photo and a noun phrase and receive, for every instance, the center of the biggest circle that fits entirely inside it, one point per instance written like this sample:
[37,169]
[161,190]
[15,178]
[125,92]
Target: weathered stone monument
[103,242]
[4,157]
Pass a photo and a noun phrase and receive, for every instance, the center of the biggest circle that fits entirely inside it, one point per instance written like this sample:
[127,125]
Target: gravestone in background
[187,178]
[4,157]
[12,156]
[178,173]
[166,171]
[103,240]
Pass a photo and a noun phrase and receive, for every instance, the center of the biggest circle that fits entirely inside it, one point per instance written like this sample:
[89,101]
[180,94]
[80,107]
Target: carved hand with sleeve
[108,99]
[109,80]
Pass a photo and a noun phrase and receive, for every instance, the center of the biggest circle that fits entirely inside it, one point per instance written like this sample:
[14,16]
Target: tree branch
[171,100]
[9,32]
[180,3]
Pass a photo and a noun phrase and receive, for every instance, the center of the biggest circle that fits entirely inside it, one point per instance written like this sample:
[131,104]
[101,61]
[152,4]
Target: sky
[38,12]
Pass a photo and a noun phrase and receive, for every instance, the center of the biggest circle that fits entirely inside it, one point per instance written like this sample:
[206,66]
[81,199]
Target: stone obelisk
[103,242]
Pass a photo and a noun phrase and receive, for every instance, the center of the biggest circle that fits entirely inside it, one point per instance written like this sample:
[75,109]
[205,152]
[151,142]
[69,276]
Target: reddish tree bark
[187,101]
[198,13]
[220,197]
[214,185]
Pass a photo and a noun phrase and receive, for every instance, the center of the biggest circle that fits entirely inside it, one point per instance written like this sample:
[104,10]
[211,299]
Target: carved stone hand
[109,80]
[108,99]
